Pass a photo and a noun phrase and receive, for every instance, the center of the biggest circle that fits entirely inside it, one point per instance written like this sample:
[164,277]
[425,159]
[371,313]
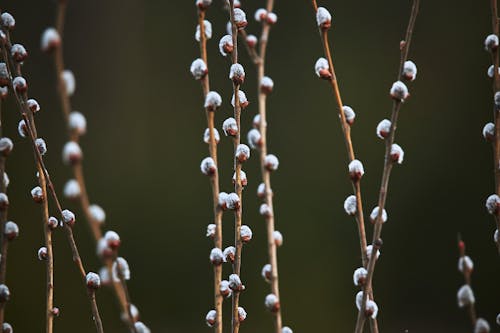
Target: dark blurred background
[144,144]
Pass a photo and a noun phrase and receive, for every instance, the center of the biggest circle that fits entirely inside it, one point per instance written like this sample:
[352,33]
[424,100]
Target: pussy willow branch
[496,87]
[467,277]
[367,287]
[214,179]
[25,111]
[238,188]
[77,168]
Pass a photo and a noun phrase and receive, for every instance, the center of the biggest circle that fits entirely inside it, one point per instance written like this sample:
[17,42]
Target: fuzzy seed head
[4,293]
[242,153]
[18,52]
[243,178]
[369,250]
[384,128]
[68,217]
[350,205]
[141,328]
[245,233]
[399,91]
[229,253]
[72,153]
[22,129]
[121,269]
[251,40]
[20,85]
[77,123]
[260,15]
[198,69]
[482,326]
[211,229]
[206,136]
[235,283]
[265,210]
[216,256]
[42,253]
[237,74]
[349,114]
[271,162]
[272,303]
[8,21]
[37,194]
[41,146]
[208,30]
[492,204]
[267,272]
[69,81]
[222,200]
[224,288]
[72,189]
[50,40]
[93,280]
[211,318]
[266,85]
[11,230]
[465,264]
[242,98]
[397,153]
[233,201]
[491,43]
[409,70]
[226,45]
[374,215]
[240,18]
[356,170]
[208,167]
[323,18]
[230,127]
[278,238]
[489,132]
[322,69]
[6,146]
[213,101]
[254,138]
[359,276]
[242,314]
[465,296]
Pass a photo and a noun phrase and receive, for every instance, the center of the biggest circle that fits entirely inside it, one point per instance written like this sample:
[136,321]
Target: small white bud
[498,319]
[103,250]
[97,213]
[203,4]
[240,18]
[242,97]
[235,283]
[491,43]
[50,40]
[465,296]
[465,264]
[226,45]
[216,256]
[198,69]
[261,191]
[141,328]
[243,178]
[278,238]
[492,204]
[323,18]
[211,228]
[208,167]
[112,239]
[22,129]
[52,223]
[409,70]
[18,52]
[271,162]
[72,189]
[68,217]
[77,123]
[213,101]
[265,210]
[242,314]
[229,253]
[496,99]
[359,276]
[206,136]
[4,293]
[399,91]
[121,269]
[37,194]
[229,28]
[33,105]
[374,215]
[41,146]
[232,201]
[208,30]
[482,326]
[272,303]
[93,280]
[20,85]
[356,170]
[256,121]
[72,153]
[242,153]
[4,202]
[230,127]
[104,276]
[350,205]
[11,230]
[286,329]
[349,114]
[8,20]
[359,299]
[225,291]
[6,180]
[489,132]
[222,200]
[371,309]
[6,146]
[245,233]
[42,253]
[267,272]
[384,128]
[69,81]
[237,74]
[260,14]
[322,69]
[266,85]
[211,318]
[397,153]
[251,40]
[369,250]
[254,138]
[491,71]
[271,18]
[495,236]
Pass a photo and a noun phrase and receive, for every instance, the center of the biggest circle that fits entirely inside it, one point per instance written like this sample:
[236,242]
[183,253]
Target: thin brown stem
[214,179]
[95,311]
[388,163]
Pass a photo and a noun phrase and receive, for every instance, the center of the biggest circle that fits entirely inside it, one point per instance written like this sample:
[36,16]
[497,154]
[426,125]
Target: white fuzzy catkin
[242,97]
[349,114]
[232,201]
[286,329]
[320,66]
[208,166]
[384,128]
[491,42]
[230,127]
[409,70]
[97,213]
[278,238]
[229,253]
[206,136]
[369,250]
[266,272]
[260,14]
[254,138]
[242,314]
[491,71]
[242,152]
[272,302]
[482,326]
[77,123]
[140,327]
[350,205]
[22,129]
[216,256]
[213,101]
[121,267]
[266,84]
[235,283]
[240,18]
[359,276]
[211,318]
[41,146]
[211,228]
[8,20]
[399,91]
[226,45]
[69,81]
[198,69]
[72,189]
[465,296]
[498,319]
[208,30]
[359,299]
[271,18]
[68,217]
[237,73]
[397,153]
[323,17]
[243,178]
[271,162]
[372,308]
[50,39]
[71,152]
[492,203]
[465,263]
[6,145]
[489,131]
[265,210]
[375,212]
[251,40]
[356,169]
[224,288]
[245,233]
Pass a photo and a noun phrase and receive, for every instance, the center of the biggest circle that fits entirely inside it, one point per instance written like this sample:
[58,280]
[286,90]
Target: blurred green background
[144,145]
